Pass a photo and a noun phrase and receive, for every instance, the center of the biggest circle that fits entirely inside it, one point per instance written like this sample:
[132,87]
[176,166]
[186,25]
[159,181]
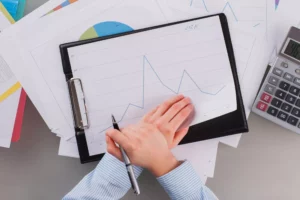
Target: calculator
[278,99]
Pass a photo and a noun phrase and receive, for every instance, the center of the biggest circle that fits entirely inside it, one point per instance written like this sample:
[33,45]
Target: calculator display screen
[293,49]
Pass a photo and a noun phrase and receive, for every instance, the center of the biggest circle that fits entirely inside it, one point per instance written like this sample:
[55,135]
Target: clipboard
[228,124]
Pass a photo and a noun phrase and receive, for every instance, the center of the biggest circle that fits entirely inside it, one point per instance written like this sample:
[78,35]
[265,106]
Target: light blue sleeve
[109,181]
[183,183]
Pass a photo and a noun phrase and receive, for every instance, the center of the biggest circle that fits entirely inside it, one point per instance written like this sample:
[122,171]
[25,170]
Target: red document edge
[19,117]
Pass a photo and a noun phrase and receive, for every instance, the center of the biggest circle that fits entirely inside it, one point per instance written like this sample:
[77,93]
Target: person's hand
[169,116]
[145,145]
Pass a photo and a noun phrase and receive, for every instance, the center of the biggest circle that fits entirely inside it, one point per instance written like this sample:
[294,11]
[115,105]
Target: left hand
[168,118]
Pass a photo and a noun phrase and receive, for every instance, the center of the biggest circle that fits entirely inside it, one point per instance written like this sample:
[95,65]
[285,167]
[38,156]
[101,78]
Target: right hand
[147,143]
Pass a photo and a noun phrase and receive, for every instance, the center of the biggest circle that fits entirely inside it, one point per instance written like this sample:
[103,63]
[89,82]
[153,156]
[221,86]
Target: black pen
[133,181]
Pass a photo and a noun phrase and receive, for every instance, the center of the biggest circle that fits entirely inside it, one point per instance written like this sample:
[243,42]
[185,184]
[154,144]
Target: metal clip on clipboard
[78,104]
[81,121]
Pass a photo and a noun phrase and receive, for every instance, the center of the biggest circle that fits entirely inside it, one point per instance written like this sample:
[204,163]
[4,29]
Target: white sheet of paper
[51,95]
[201,155]
[4,23]
[8,107]
[54,119]
[68,149]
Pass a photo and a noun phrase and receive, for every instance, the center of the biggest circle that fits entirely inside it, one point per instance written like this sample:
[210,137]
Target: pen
[133,181]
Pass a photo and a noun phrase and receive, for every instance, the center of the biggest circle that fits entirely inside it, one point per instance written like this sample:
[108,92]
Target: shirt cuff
[113,170]
[183,183]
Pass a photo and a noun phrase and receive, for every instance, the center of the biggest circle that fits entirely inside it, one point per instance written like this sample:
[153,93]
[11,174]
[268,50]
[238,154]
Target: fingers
[175,109]
[165,106]
[179,136]
[113,149]
[118,137]
[148,116]
[176,122]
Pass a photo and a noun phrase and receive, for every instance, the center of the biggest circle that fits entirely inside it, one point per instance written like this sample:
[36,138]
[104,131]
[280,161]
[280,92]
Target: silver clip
[78,103]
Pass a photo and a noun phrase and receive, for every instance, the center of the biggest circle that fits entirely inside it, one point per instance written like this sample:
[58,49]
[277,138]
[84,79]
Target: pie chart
[105,29]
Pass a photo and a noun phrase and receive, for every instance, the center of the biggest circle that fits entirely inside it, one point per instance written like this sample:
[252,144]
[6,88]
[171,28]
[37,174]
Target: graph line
[228,5]
[142,106]
[256,25]
[204,4]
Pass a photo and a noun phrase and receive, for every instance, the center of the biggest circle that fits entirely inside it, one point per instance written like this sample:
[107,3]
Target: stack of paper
[36,38]
[12,96]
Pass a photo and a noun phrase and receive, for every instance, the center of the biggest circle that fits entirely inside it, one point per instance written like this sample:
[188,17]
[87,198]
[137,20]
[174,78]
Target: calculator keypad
[297,81]
[270,89]
[283,116]
[277,71]
[279,98]
[273,80]
[280,94]
[294,90]
[284,85]
[292,120]
[286,107]
[290,99]
[276,102]
[288,77]
[296,112]
[272,111]
[266,97]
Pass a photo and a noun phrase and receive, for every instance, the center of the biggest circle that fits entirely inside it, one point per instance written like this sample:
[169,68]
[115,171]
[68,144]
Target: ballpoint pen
[133,181]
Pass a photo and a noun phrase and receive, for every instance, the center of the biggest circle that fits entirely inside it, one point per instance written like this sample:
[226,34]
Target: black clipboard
[228,124]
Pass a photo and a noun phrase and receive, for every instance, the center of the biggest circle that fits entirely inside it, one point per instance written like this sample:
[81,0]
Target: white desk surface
[265,166]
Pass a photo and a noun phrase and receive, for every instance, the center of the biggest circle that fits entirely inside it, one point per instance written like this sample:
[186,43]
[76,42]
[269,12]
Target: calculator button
[296,112]
[280,94]
[298,103]
[292,120]
[297,71]
[266,97]
[261,106]
[273,80]
[297,81]
[276,102]
[284,64]
[270,89]
[277,72]
[286,107]
[288,77]
[294,90]
[290,99]
[272,111]
[284,85]
[283,116]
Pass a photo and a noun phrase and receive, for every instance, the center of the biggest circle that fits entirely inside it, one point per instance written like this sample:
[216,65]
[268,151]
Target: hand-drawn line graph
[142,106]
[203,2]
[252,14]
[230,7]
